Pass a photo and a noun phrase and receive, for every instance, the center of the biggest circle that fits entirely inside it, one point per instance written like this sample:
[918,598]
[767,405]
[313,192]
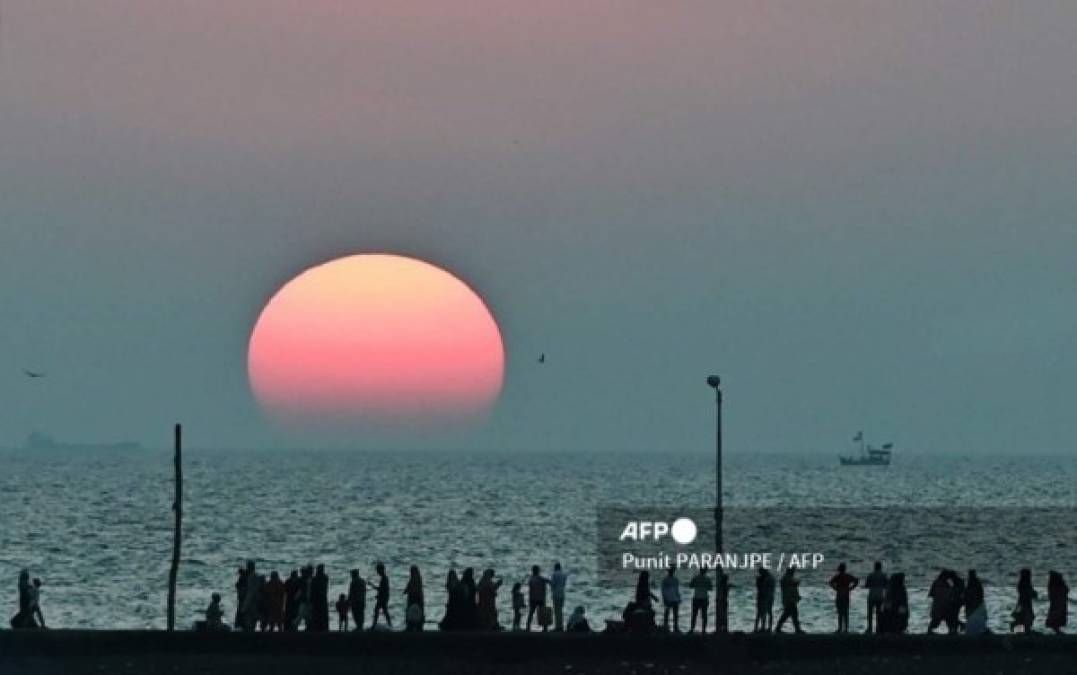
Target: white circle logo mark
[683,531]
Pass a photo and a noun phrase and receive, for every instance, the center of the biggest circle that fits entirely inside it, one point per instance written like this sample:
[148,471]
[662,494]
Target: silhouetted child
[518,605]
[342,613]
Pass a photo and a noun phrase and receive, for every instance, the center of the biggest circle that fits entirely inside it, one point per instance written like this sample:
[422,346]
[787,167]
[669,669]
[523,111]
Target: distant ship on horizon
[869,456]
[40,441]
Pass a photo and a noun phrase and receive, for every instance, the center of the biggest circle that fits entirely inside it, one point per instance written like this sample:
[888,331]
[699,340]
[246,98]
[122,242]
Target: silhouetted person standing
[558,580]
[519,604]
[470,593]
[843,585]
[790,600]
[876,584]
[342,613]
[940,600]
[644,596]
[292,598]
[1023,614]
[274,603]
[954,600]
[536,595]
[488,586]
[1057,598]
[241,596]
[357,599]
[721,600]
[895,614]
[35,603]
[24,618]
[252,597]
[381,597]
[701,588]
[975,609]
[671,599]
[764,601]
[414,602]
[319,600]
[305,614]
[454,603]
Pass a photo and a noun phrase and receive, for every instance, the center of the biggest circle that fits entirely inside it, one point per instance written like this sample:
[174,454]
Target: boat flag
[859,436]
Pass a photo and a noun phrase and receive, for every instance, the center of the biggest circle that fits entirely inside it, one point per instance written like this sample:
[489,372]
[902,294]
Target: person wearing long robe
[487,592]
[895,612]
[471,604]
[940,600]
[273,602]
[241,596]
[1058,602]
[1023,614]
[413,591]
[975,608]
[319,600]
[453,603]
[292,598]
[414,602]
[23,617]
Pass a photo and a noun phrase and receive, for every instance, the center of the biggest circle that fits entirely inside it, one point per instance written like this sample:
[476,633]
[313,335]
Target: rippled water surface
[97,528]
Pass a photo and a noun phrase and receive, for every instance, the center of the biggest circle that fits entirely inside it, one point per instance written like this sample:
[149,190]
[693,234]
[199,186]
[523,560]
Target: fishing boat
[869,456]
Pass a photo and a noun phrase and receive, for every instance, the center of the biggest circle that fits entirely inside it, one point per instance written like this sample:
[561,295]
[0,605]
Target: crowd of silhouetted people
[301,602]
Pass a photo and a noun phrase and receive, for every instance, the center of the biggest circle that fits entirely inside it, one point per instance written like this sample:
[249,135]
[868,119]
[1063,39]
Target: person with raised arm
[843,584]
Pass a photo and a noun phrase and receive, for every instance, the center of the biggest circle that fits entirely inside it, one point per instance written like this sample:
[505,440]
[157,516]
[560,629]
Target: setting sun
[378,340]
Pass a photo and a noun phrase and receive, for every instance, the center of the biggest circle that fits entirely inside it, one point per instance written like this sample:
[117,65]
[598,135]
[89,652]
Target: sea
[97,527]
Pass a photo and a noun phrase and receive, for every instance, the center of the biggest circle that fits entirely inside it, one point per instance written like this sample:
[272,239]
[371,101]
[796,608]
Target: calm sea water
[97,527]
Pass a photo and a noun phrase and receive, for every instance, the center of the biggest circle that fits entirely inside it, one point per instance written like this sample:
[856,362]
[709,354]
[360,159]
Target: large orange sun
[376,340]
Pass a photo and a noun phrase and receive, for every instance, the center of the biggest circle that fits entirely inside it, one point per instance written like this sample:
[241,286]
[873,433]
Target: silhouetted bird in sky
[542,358]
[32,374]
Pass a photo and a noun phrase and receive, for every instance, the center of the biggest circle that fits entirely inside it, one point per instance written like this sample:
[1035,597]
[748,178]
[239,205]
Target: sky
[862,215]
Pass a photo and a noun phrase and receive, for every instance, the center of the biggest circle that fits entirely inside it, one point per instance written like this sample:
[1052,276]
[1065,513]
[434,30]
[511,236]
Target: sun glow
[376,340]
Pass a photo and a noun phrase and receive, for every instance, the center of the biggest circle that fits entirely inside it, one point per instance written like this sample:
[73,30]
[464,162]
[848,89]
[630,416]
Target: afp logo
[683,530]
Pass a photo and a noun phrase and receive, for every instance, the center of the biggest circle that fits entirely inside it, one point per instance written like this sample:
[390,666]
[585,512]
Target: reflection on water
[97,528]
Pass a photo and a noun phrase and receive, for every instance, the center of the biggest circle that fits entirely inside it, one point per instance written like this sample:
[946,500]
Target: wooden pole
[177,508]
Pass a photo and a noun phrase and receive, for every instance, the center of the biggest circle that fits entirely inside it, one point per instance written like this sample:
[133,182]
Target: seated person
[214,616]
[577,622]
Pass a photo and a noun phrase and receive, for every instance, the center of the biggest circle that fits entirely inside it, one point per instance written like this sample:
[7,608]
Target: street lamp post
[722,618]
[716,383]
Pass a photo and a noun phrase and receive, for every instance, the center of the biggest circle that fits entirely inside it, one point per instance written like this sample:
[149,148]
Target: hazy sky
[860,214]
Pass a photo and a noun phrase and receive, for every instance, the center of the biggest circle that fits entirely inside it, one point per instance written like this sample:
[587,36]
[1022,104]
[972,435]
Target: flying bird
[33,375]
[542,357]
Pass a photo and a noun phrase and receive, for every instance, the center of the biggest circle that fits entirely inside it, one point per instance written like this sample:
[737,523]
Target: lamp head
[714,381]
